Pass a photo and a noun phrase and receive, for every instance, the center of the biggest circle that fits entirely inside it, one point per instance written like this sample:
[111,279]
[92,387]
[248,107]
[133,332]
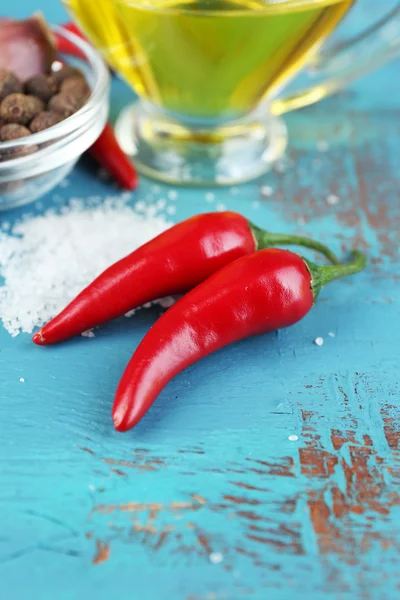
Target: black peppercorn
[18,108]
[12,131]
[77,86]
[9,84]
[65,104]
[42,86]
[64,73]
[44,120]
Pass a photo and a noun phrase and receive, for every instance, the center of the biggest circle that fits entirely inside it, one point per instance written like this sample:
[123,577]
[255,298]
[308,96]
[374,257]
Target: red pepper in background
[256,294]
[108,153]
[106,150]
[172,263]
[67,47]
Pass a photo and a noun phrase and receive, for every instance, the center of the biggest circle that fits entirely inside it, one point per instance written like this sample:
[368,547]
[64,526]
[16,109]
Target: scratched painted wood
[87,512]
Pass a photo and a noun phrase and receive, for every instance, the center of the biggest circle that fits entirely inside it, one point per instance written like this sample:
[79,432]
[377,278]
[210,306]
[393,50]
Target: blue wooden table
[269,470]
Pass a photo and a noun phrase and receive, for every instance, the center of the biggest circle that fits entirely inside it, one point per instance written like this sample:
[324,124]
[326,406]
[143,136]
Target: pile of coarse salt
[46,260]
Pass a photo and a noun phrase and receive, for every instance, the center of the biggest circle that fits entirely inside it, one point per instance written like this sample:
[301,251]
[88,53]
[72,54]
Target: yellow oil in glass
[207,59]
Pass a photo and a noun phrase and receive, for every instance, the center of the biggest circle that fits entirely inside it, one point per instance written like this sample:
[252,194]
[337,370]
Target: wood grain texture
[87,512]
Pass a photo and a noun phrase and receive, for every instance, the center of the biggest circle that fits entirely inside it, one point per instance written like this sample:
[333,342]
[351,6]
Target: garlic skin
[27,47]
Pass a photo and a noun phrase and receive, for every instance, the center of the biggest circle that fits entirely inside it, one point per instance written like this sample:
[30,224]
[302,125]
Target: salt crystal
[172,195]
[322,146]
[89,333]
[331,334]
[57,65]
[220,207]
[216,558]
[171,210]
[166,302]
[332,199]
[151,210]
[319,341]
[210,197]
[140,206]
[161,203]
[293,438]
[266,191]
[46,260]
[22,380]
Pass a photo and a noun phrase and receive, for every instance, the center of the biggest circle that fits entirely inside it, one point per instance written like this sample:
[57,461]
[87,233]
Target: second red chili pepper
[67,47]
[106,149]
[172,263]
[109,154]
[262,292]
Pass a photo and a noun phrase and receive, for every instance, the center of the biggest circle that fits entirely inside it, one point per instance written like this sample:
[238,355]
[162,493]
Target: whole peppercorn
[65,104]
[9,84]
[42,86]
[77,86]
[10,187]
[2,153]
[62,74]
[18,108]
[12,131]
[44,120]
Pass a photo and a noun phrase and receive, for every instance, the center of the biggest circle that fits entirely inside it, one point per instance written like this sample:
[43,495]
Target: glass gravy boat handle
[345,62]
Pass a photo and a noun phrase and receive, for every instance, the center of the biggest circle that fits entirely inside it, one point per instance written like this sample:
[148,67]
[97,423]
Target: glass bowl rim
[78,119]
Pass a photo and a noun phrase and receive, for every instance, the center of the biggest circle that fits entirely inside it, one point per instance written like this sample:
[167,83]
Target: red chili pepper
[256,294]
[106,150]
[67,47]
[73,28]
[172,263]
[108,153]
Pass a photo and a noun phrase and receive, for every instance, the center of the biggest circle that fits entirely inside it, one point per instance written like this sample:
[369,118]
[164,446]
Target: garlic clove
[27,47]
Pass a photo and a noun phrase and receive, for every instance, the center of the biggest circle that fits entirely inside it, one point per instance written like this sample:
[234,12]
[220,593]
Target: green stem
[320,276]
[265,239]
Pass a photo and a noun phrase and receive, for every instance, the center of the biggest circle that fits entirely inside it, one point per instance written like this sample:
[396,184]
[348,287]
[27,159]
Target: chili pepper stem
[265,239]
[320,276]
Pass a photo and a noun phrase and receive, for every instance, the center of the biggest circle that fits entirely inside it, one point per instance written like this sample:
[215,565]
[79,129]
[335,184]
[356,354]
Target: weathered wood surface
[89,512]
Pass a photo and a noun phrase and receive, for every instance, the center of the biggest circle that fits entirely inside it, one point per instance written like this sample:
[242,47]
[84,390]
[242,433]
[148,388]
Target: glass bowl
[45,158]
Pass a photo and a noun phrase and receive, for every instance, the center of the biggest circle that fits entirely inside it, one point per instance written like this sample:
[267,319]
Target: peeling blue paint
[89,512]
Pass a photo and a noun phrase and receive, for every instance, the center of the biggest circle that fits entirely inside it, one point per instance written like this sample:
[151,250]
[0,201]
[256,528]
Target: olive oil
[207,59]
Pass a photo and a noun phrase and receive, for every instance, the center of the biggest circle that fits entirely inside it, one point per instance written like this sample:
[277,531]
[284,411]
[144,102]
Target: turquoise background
[88,512]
